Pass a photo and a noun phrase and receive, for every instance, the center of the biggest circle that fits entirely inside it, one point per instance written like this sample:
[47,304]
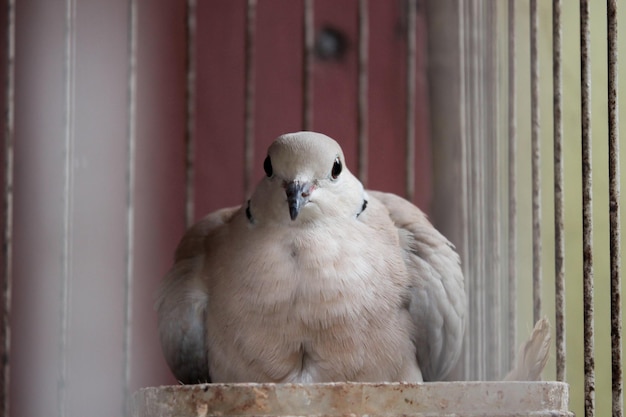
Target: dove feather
[437,303]
[533,354]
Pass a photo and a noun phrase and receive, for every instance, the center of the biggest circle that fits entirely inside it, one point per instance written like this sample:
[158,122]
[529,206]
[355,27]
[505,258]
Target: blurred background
[126,120]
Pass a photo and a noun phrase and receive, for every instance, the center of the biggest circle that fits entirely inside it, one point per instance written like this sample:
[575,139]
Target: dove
[312,279]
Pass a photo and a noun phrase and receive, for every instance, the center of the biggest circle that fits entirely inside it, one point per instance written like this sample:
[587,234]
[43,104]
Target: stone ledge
[471,399]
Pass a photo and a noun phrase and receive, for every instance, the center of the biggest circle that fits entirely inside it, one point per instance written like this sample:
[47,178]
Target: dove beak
[297,196]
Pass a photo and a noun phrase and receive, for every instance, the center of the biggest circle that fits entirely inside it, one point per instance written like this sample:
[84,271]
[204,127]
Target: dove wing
[183,299]
[437,297]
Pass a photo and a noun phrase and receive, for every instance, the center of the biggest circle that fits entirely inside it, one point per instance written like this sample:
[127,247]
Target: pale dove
[314,279]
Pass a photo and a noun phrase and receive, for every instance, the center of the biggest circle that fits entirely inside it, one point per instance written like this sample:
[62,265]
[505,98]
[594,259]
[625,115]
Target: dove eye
[267,166]
[337,167]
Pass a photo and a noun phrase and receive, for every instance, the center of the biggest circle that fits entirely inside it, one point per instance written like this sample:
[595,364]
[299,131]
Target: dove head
[306,179]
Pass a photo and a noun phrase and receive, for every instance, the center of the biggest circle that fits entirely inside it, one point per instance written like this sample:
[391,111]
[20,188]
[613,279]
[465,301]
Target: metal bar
[249,100]
[190,126]
[559,219]
[536,160]
[479,185]
[130,201]
[474,341]
[476,283]
[588,309]
[614,214]
[68,191]
[465,215]
[411,66]
[362,111]
[512,184]
[307,67]
[9,138]
[500,197]
[492,148]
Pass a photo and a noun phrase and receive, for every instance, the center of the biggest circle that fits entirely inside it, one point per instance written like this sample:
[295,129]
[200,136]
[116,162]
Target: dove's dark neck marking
[249,213]
[363,207]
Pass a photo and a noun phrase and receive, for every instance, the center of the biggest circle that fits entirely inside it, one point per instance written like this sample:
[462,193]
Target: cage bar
[411,66]
[614,212]
[492,148]
[478,184]
[130,199]
[473,342]
[249,97]
[7,247]
[474,71]
[536,159]
[68,191]
[512,183]
[466,358]
[477,164]
[559,242]
[588,309]
[307,67]
[190,99]
[362,99]
[480,133]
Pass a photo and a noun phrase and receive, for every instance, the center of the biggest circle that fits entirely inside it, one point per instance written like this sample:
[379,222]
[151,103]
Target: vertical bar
[68,188]
[512,187]
[362,111]
[491,84]
[559,243]
[249,100]
[479,184]
[7,246]
[588,310]
[476,188]
[472,118]
[411,66]
[536,160]
[307,75]
[474,342]
[614,214]
[130,199]
[190,96]
[465,214]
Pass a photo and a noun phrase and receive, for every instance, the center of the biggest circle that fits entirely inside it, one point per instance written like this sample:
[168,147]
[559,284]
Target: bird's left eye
[337,167]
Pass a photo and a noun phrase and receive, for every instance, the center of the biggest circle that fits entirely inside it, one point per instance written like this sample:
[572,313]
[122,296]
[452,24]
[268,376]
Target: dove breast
[323,304]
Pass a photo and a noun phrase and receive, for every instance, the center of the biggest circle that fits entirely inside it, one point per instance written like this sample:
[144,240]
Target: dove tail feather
[532,355]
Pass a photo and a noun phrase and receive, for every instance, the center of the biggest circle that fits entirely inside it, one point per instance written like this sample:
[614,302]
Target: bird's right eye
[267,166]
